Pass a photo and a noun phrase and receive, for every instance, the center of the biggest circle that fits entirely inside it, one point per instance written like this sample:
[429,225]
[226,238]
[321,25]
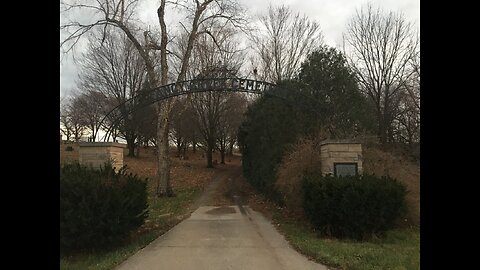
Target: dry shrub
[378,162]
[302,158]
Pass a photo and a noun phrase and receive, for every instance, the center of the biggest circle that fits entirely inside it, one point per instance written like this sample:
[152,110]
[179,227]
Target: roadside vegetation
[164,214]
[369,225]
[99,207]
[398,248]
[189,177]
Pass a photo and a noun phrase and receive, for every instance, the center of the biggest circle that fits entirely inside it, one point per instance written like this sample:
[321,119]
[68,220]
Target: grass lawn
[398,249]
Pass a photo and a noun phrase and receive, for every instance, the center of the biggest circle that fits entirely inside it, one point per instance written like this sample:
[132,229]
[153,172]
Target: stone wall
[68,152]
[95,154]
[340,152]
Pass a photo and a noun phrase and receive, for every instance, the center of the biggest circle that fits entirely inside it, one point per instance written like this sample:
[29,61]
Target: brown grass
[378,162]
[184,173]
[304,158]
[301,159]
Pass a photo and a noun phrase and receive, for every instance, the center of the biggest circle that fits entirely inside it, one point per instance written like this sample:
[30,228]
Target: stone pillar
[345,155]
[95,154]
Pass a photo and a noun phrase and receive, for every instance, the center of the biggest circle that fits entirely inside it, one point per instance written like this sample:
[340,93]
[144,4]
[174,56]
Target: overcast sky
[332,15]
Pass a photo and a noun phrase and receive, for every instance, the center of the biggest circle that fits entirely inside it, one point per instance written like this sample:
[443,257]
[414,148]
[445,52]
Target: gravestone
[341,157]
[96,154]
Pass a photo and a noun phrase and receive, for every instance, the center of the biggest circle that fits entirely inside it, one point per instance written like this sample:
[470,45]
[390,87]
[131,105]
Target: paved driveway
[223,237]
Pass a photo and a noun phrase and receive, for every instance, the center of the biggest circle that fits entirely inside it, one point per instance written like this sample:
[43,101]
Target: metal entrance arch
[148,97]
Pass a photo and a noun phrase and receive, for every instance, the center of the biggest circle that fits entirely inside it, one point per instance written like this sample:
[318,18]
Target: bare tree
[229,122]
[381,46]
[283,43]
[183,127]
[111,116]
[407,122]
[407,119]
[147,120]
[66,125]
[116,70]
[76,118]
[413,87]
[119,14]
[216,57]
[90,107]
[208,106]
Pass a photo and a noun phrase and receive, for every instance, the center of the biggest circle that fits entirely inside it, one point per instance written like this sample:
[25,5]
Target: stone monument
[341,157]
[95,154]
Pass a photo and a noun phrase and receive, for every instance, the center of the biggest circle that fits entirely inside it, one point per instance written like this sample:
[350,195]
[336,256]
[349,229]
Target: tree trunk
[209,156]
[131,146]
[230,148]
[94,134]
[163,108]
[179,146]
[163,172]
[185,146]
[222,155]
[382,131]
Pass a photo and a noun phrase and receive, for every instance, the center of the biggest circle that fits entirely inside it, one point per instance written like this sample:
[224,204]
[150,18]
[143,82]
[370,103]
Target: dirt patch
[224,194]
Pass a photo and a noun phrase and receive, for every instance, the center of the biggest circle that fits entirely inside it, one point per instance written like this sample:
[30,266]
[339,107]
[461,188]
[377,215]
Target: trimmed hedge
[98,208]
[353,206]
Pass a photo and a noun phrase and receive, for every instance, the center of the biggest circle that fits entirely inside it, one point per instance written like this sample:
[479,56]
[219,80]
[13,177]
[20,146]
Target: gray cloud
[332,15]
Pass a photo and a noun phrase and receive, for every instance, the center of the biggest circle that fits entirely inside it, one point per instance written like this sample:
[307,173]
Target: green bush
[270,125]
[353,206]
[325,95]
[98,208]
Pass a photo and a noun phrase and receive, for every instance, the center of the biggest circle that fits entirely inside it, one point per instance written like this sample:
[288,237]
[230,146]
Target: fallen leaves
[183,173]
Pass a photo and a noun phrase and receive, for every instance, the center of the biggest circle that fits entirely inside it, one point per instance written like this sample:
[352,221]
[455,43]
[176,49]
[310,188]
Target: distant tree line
[113,72]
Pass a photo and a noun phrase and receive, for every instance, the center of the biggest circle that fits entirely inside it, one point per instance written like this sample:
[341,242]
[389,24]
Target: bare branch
[284,43]
[381,48]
